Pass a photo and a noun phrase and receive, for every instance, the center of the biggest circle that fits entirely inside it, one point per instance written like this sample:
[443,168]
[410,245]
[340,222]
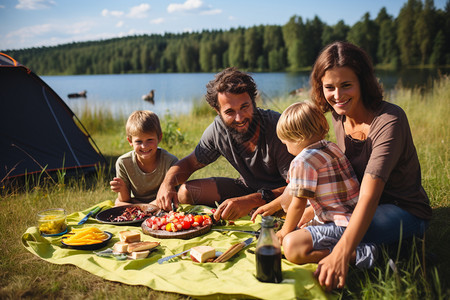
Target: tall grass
[428,114]
[422,271]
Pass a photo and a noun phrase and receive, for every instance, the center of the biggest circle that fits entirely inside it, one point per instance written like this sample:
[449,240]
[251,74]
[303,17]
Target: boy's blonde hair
[143,121]
[301,121]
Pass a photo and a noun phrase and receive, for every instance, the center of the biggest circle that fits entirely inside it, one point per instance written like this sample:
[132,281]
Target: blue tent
[38,130]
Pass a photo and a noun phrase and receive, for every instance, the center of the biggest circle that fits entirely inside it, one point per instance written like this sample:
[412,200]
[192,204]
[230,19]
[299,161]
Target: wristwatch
[266,195]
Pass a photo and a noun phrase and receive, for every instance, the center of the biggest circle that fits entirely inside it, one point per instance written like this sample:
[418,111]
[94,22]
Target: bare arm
[294,213]
[307,216]
[176,175]
[118,186]
[271,207]
[235,208]
[332,270]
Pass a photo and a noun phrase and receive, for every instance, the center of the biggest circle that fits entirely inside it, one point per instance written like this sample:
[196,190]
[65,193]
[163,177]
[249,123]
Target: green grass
[419,275]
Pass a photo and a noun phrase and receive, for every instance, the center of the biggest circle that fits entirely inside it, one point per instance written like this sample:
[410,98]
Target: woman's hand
[332,270]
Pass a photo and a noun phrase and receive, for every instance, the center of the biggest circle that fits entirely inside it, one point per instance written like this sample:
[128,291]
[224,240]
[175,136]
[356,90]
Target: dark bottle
[268,253]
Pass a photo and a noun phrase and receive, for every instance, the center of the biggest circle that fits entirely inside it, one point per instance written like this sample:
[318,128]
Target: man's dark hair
[230,80]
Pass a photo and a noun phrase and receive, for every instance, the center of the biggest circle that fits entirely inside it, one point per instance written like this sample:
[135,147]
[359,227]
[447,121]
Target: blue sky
[35,23]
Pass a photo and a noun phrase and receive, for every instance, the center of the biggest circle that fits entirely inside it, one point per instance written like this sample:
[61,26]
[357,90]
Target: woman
[376,138]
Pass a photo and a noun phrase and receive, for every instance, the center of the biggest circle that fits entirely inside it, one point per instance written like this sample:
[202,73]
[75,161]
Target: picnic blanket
[234,278]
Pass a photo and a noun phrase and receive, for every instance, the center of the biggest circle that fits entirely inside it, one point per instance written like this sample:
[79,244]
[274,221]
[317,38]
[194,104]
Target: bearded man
[246,136]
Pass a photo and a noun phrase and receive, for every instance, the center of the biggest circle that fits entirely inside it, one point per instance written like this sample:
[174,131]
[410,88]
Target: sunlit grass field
[412,274]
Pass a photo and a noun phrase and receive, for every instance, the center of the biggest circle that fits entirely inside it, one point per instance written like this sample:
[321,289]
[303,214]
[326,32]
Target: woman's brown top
[388,152]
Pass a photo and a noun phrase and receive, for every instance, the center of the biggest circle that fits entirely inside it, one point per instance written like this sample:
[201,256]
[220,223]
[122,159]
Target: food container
[52,221]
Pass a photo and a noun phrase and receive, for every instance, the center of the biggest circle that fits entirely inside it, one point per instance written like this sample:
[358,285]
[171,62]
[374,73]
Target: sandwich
[141,246]
[139,254]
[120,247]
[129,236]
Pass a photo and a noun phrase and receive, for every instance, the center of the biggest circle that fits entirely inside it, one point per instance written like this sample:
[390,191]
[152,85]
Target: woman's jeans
[391,223]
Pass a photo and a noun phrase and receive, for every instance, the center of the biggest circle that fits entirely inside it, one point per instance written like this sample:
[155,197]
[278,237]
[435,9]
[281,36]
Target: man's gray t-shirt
[266,167]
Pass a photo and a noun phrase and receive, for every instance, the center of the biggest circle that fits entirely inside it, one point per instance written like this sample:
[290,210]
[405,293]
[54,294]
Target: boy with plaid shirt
[321,175]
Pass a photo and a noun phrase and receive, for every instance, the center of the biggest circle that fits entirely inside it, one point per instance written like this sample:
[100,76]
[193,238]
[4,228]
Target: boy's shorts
[230,188]
[325,236]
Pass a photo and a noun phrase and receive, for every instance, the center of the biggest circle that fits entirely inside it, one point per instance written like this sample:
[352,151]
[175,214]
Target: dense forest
[418,36]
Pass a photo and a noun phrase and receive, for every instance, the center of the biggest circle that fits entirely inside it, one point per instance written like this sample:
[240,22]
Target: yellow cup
[52,221]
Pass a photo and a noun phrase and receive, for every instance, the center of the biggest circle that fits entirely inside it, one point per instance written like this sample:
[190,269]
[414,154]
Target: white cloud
[2,6]
[136,12]
[77,28]
[51,29]
[157,21]
[31,31]
[139,12]
[46,35]
[34,4]
[189,5]
[193,6]
[119,24]
[211,12]
[113,13]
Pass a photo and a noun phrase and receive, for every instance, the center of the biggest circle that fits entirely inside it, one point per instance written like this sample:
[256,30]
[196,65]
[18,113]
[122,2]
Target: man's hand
[165,197]
[235,208]
[176,175]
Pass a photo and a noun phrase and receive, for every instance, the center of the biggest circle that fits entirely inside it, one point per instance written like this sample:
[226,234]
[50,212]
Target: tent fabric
[38,130]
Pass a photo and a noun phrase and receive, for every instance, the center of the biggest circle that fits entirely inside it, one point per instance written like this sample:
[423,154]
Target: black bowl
[91,246]
[106,215]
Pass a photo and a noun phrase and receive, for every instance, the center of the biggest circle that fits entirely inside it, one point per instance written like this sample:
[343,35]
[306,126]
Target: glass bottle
[268,253]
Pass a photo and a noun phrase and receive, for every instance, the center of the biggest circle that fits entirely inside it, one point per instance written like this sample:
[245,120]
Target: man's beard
[242,137]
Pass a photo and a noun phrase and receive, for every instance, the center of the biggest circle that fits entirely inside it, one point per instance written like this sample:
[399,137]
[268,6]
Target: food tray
[182,234]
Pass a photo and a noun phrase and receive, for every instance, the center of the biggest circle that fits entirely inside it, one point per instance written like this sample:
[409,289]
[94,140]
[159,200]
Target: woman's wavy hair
[344,54]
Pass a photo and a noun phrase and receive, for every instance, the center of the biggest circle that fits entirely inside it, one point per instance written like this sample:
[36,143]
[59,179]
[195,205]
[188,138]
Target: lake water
[176,93]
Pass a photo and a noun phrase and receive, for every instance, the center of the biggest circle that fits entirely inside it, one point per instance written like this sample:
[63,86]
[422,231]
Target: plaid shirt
[322,174]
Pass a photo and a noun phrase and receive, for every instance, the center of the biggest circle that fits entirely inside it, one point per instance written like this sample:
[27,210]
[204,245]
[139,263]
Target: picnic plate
[107,215]
[182,234]
[90,246]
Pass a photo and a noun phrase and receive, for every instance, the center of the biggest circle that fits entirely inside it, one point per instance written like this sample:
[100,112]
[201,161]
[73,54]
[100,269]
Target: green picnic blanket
[234,278]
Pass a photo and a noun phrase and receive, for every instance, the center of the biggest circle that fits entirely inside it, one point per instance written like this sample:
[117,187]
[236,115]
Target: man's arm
[176,175]
[235,208]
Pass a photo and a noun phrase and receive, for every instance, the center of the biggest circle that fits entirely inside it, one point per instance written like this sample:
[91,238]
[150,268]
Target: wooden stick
[230,252]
